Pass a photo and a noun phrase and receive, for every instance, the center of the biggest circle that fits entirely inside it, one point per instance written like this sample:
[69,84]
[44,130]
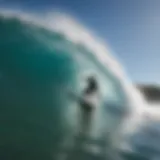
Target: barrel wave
[38,67]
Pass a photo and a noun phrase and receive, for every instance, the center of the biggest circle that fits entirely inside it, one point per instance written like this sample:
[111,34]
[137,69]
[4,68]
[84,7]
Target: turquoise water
[37,67]
[32,76]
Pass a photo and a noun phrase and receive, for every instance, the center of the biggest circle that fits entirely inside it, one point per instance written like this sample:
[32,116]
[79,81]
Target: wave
[74,49]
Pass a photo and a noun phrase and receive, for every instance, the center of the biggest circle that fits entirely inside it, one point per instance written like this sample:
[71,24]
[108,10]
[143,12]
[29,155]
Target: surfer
[88,103]
[89,95]
[88,100]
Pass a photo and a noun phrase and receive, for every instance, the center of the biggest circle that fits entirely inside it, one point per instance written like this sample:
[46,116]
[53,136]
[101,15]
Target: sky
[130,27]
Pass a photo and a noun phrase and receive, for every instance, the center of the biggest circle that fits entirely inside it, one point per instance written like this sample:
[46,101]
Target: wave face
[38,64]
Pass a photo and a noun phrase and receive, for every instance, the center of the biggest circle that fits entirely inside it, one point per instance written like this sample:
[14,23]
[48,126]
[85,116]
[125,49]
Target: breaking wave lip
[75,32]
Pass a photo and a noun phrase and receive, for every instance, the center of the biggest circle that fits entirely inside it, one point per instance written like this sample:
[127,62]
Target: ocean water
[40,61]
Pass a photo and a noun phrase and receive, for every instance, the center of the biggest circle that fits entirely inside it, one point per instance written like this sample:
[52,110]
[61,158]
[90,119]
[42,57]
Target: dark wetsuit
[92,88]
[87,107]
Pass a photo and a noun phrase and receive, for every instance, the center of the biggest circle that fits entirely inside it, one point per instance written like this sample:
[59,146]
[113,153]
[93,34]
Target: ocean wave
[77,53]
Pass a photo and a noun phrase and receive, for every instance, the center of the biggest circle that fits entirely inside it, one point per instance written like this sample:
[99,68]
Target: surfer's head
[92,85]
